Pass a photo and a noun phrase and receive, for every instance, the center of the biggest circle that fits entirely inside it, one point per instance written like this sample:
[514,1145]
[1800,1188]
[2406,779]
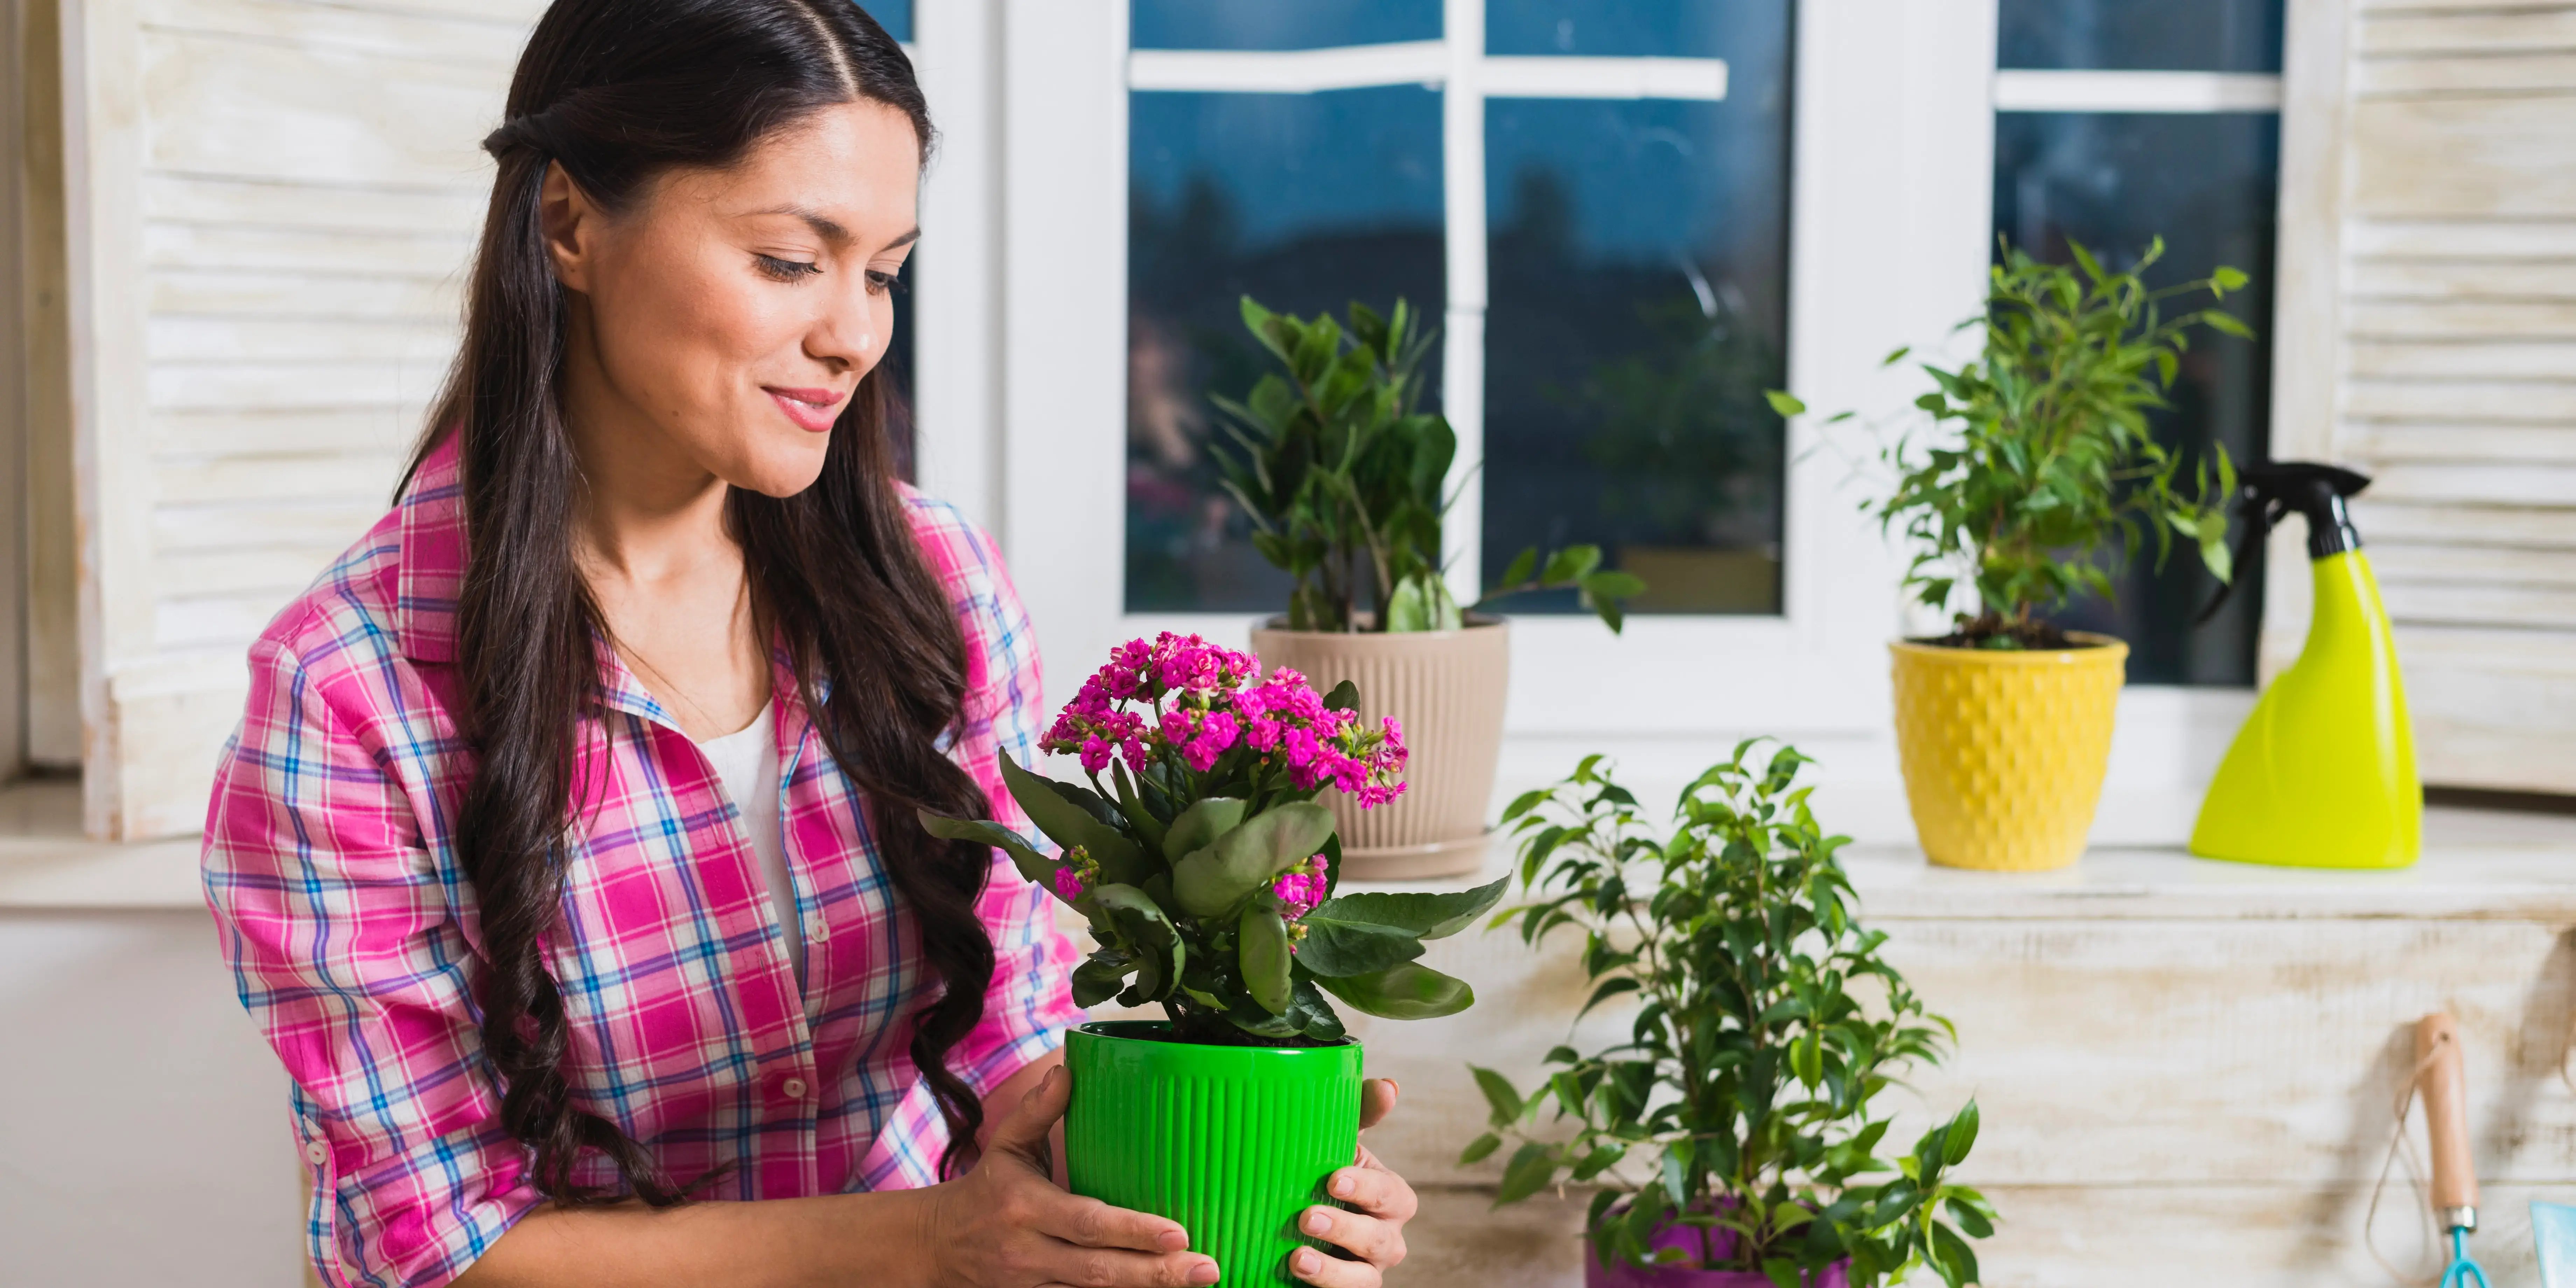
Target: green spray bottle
[2323,773]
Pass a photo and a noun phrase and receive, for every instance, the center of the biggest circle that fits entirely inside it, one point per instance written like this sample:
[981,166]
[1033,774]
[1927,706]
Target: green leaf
[1210,881]
[1572,562]
[1479,1149]
[1096,980]
[1345,696]
[1411,991]
[1146,926]
[1523,564]
[1500,1095]
[1264,956]
[1199,825]
[1610,988]
[1071,825]
[1961,1136]
[1033,866]
[1786,405]
[1952,1257]
[2228,279]
[1532,1166]
[1334,948]
[1425,916]
[1613,585]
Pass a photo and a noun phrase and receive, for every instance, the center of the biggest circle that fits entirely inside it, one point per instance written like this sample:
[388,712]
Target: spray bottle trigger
[2264,517]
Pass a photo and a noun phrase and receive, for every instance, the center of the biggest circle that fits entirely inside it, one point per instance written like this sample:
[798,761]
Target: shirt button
[794,1087]
[317,1153]
[820,931]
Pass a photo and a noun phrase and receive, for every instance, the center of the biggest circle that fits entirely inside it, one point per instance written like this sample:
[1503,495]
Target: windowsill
[45,862]
[2477,865]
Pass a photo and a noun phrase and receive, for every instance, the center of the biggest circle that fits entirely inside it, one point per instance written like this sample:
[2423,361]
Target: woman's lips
[813,410]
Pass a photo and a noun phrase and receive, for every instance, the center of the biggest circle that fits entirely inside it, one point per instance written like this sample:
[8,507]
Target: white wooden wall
[273,202]
[2427,328]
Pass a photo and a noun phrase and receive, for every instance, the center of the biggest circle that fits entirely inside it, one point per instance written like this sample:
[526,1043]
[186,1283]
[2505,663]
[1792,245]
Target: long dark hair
[617,92]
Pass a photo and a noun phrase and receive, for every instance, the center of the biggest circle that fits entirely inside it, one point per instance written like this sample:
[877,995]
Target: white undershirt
[747,761]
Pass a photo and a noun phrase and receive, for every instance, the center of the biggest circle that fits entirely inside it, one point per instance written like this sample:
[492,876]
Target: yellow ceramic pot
[2004,751]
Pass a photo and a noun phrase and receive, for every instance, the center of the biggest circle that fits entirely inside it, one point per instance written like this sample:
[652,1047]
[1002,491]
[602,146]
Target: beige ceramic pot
[1446,689]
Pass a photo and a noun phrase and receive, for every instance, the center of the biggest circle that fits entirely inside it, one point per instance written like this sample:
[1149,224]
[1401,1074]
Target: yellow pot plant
[2036,453]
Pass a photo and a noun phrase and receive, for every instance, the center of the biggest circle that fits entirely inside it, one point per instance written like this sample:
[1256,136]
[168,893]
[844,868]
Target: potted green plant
[1207,874]
[1736,1137]
[1342,476]
[2035,454]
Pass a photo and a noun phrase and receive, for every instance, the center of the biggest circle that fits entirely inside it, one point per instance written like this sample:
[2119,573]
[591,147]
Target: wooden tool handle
[2446,1111]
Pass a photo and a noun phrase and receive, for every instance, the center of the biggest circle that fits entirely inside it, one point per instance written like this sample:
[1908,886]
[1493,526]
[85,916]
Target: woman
[565,854]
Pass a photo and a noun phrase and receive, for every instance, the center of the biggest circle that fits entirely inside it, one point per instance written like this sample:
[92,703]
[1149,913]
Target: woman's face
[722,322]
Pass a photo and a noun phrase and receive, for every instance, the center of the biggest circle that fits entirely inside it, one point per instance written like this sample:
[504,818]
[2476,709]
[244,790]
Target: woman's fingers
[1379,1243]
[1377,1099]
[1374,1190]
[1023,1131]
[1315,1268]
[1101,1268]
[1090,1223]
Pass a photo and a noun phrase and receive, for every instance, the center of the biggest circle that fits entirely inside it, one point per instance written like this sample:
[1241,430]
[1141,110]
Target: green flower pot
[1232,1142]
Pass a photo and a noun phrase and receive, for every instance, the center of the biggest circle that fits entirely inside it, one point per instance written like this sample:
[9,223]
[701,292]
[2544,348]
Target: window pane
[2206,184]
[1611,28]
[1303,201]
[1280,24]
[2126,35]
[893,15]
[1639,263]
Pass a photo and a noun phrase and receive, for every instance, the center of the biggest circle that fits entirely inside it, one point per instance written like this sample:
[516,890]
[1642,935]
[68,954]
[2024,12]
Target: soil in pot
[1232,1142]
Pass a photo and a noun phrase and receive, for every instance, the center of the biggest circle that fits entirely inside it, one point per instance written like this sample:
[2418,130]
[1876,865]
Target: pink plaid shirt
[354,939]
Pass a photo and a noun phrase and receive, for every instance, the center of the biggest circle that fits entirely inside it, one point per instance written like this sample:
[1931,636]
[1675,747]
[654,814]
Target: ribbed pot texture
[2004,751]
[1446,688]
[1232,1142]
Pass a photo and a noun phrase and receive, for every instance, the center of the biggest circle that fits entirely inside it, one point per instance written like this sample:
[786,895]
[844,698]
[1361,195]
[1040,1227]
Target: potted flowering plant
[2036,454]
[1735,1136]
[1342,476]
[1208,875]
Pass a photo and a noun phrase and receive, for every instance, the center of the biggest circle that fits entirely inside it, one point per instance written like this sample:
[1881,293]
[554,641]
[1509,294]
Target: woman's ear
[571,224]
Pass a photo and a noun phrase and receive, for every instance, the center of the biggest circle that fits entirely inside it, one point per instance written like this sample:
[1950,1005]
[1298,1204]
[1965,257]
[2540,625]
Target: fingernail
[1172,1241]
[1343,1185]
[1307,1262]
[1317,1222]
[1203,1273]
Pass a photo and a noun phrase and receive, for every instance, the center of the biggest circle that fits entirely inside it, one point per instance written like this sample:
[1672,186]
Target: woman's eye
[786,270]
[880,281]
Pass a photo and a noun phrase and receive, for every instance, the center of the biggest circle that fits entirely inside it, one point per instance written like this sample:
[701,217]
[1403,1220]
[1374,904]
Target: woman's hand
[1007,1225]
[1371,1228]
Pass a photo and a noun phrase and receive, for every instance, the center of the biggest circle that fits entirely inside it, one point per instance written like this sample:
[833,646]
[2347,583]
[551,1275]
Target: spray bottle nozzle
[2276,488]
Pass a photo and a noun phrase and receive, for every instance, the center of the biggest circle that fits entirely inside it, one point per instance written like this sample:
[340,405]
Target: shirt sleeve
[347,952]
[1030,1002]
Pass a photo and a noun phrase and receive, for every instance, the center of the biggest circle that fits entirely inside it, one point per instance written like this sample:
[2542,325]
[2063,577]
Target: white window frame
[1887,236]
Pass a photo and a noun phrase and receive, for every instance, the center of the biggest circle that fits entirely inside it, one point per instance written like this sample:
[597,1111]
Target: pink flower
[1301,888]
[1068,885]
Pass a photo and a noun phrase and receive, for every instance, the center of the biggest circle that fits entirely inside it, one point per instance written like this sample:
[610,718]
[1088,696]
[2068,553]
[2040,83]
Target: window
[2116,123]
[1632,228]
[1627,219]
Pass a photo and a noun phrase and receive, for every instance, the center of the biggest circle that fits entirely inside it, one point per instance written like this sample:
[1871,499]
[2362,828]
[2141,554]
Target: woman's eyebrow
[831,230]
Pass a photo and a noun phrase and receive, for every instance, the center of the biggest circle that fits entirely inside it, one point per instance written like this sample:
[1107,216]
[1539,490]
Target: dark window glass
[2130,35]
[1610,28]
[1279,24]
[1303,201]
[2205,183]
[893,15]
[897,369]
[1638,296]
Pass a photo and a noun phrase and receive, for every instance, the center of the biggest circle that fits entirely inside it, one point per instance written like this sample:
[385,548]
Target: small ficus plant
[1742,1110]
[2039,449]
[1342,476]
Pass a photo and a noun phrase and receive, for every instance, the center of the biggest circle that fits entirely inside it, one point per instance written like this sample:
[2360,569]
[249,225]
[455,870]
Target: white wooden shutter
[271,204]
[2427,335]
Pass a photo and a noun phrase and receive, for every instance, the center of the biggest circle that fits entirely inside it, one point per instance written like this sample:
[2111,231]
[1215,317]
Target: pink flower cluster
[1202,701]
[1302,887]
[1079,873]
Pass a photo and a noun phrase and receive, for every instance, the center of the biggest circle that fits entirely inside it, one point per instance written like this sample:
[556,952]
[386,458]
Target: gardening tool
[2446,1121]
[2323,773]
[2553,1229]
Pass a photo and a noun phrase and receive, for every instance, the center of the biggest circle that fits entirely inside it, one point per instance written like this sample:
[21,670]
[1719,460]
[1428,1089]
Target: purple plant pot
[1720,1242]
